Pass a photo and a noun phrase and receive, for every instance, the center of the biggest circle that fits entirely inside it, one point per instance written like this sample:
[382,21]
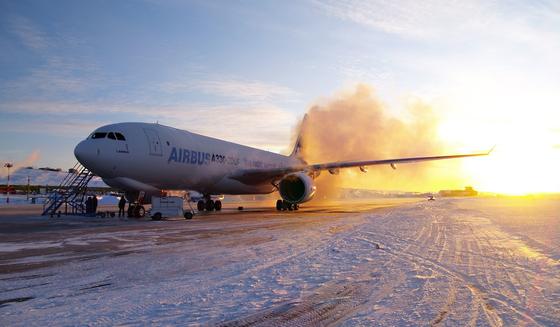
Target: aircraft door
[153,142]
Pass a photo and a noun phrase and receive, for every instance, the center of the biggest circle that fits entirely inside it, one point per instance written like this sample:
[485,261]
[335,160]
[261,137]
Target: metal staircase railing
[70,192]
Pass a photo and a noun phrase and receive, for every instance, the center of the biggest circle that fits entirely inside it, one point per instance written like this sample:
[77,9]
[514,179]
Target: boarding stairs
[70,193]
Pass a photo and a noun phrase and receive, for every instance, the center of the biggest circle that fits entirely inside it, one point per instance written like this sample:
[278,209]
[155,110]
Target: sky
[247,71]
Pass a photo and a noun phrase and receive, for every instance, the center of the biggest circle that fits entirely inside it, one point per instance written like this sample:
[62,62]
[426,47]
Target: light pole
[8,165]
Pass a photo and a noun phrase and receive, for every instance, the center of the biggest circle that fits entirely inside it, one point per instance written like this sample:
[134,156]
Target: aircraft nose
[82,154]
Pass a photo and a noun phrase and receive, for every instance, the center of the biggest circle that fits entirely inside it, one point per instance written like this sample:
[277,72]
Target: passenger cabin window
[111,136]
[120,137]
[98,135]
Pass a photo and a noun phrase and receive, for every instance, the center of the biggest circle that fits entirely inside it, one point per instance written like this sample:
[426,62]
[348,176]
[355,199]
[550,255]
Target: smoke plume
[356,126]
[32,158]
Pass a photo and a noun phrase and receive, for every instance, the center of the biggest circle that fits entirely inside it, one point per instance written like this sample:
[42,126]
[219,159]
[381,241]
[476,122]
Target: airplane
[143,159]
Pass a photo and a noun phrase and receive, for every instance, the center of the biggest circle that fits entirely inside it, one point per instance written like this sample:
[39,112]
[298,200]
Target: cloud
[58,72]
[231,87]
[182,111]
[60,108]
[57,76]
[28,33]
[67,127]
[264,125]
[408,18]
[439,18]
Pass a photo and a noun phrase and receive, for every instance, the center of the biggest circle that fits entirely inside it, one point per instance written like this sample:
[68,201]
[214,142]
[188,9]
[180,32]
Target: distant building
[50,169]
[4,189]
[468,191]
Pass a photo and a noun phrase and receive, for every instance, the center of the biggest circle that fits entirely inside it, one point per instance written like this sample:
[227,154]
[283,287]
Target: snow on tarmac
[483,262]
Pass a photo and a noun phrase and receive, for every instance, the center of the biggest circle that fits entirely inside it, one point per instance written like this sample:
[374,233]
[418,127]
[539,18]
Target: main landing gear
[283,205]
[136,210]
[209,205]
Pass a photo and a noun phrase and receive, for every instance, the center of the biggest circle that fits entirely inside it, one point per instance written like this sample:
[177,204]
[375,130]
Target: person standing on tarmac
[94,204]
[88,205]
[122,204]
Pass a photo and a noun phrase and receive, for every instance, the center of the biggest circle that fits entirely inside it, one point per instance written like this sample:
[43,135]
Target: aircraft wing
[257,176]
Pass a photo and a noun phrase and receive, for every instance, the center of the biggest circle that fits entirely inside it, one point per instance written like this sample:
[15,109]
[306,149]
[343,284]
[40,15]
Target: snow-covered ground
[17,200]
[22,176]
[461,262]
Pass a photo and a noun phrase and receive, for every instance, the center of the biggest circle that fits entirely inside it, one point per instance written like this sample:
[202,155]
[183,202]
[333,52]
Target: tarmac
[383,262]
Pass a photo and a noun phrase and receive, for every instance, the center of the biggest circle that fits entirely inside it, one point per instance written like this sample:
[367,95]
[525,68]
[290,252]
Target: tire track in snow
[512,280]
[481,298]
[312,249]
[311,310]
[329,304]
[482,265]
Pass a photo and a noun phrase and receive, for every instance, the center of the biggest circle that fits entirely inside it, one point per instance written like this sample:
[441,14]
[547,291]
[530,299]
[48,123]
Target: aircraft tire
[285,205]
[139,212]
[156,216]
[136,211]
[200,205]
[188,215]
[296,206]
[218,205]
[210,205]
[279,205]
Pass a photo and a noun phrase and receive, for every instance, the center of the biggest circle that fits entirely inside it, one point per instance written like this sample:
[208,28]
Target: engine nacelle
[297,188]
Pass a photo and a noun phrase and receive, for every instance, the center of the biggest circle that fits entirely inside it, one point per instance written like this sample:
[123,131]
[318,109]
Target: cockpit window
[120,137]
[111,136]
[98,135]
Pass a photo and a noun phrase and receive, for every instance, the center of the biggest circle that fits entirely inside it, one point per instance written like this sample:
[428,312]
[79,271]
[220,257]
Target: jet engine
[297,188]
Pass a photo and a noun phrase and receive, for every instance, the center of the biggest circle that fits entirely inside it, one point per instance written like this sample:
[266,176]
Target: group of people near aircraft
[91,204]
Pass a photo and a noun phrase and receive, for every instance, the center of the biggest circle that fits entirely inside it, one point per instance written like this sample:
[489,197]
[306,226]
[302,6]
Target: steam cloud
[29,161]
[356,126]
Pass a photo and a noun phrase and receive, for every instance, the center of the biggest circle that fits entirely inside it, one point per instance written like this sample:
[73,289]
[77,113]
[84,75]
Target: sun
[524,161]
[521,119]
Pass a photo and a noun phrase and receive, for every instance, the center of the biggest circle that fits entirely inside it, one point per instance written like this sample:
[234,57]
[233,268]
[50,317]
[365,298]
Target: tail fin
[296,152]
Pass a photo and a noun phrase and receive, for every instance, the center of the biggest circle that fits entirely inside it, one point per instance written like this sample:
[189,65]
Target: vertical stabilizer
[296,152]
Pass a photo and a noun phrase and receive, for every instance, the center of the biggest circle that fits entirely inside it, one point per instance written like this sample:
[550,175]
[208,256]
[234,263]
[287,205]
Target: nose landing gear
[136,210]
[283,205]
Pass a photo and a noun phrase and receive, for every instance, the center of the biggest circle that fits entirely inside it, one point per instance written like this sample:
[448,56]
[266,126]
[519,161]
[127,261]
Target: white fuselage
[152,157]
